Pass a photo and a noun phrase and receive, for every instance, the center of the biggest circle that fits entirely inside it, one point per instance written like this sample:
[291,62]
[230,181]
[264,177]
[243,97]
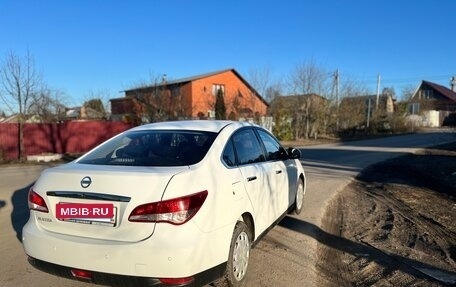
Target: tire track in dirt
[393,226]
[436,231]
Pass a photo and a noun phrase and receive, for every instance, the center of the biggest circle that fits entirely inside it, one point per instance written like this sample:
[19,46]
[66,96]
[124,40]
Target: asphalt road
[285,257]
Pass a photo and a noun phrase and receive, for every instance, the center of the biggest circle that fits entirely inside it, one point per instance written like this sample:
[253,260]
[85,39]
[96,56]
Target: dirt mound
[395,225]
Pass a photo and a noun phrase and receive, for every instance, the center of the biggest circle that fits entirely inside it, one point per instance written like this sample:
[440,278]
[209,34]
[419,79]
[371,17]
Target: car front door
[277,173]
[252,164]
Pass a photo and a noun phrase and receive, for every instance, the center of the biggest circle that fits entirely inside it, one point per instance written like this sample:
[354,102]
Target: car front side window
[274,150]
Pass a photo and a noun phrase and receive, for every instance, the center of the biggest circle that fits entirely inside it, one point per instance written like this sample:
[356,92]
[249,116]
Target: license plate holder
[87,213]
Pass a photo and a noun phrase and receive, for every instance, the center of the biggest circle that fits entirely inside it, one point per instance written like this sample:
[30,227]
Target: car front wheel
[238,259]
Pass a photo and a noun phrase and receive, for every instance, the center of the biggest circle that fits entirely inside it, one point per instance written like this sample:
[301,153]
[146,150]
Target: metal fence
[60,138]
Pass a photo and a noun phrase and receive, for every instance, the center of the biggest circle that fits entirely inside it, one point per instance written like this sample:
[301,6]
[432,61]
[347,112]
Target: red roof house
[190,98]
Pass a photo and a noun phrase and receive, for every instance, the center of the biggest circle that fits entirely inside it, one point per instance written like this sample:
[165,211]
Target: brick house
[435,103]
[190,98]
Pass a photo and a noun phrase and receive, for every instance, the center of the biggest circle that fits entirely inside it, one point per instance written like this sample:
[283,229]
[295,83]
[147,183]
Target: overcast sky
[91,46]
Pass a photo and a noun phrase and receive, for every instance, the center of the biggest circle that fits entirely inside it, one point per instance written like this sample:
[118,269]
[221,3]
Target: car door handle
[278,171]
[251,178]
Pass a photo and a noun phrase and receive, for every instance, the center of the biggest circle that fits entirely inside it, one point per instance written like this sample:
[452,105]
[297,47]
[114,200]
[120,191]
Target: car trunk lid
[119,189]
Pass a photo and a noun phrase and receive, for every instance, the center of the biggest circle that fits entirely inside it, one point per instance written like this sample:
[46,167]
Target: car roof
[195,125]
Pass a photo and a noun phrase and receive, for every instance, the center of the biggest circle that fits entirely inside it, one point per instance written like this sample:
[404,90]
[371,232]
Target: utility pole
[336,78]
[368,110]
[378,92]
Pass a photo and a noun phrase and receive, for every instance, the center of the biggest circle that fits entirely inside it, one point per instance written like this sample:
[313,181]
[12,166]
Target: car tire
[299,199]
[238,258]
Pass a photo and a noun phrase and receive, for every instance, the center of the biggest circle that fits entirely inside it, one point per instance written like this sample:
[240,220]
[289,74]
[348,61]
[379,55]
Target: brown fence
[69,137]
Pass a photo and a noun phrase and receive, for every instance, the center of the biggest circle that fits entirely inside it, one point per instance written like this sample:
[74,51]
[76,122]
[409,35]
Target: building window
[216,88]
[414,108]
[426,94]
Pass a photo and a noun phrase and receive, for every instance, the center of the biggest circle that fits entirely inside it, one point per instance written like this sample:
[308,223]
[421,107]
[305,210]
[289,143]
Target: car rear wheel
[238,259]
[299,200]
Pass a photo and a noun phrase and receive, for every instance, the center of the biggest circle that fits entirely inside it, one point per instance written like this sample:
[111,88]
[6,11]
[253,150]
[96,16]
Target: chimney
[453,84]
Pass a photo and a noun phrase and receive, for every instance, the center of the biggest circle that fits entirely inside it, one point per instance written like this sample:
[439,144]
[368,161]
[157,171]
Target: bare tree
[407,92]
[20,83]
[159,100]
[352,88]
[49,104]
[260,79]
[264,83]
[309,79]
[273,91]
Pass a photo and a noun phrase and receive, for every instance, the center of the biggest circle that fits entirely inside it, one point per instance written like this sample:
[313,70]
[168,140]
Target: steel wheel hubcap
[299,196]
[241,254]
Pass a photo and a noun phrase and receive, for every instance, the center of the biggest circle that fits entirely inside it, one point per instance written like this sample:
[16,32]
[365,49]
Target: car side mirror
[294,153]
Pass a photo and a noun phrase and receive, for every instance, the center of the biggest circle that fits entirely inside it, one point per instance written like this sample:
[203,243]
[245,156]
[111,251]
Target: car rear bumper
[177,253]
[100,278]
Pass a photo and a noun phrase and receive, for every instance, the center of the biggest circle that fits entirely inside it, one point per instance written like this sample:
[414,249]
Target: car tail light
[82,274]
[36,202]
[175,211]
[176,281]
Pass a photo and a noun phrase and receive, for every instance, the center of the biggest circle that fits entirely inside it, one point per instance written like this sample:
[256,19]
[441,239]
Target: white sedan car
[164,204]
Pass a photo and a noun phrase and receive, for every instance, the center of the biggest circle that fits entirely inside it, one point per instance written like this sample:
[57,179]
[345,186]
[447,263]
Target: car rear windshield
[152,148]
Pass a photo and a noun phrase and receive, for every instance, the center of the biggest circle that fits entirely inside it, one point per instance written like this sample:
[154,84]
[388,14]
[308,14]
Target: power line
[407,80]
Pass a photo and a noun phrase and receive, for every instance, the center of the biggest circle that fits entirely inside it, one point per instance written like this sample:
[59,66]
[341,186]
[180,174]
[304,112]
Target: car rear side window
[229,158]
[153,148]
